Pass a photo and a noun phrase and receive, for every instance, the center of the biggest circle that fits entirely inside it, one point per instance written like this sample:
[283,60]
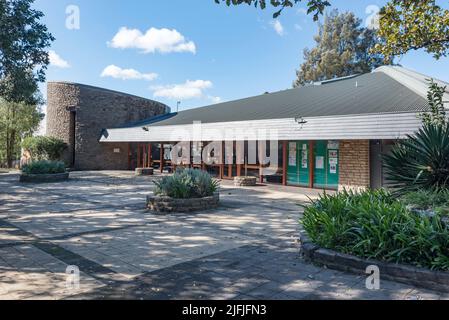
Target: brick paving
[246,249]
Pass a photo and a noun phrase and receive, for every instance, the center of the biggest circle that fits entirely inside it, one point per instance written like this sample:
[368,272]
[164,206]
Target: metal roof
[374,93]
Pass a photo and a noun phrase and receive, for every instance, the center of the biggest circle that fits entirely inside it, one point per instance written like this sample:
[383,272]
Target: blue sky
[216,53]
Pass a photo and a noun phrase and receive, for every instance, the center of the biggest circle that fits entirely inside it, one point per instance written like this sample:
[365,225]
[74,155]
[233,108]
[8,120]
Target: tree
[23,55]
[437,114]
[44,148]
[17,120]
[314,6]
[405,25]
[411,25]
[342,49]
[23,61]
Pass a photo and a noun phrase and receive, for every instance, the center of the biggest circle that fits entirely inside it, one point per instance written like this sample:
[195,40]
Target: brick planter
[420,277]
[170,205]
[245,181]
[44,178]
[144,171]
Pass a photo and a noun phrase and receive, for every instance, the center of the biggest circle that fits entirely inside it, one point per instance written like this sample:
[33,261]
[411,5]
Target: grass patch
[434,200]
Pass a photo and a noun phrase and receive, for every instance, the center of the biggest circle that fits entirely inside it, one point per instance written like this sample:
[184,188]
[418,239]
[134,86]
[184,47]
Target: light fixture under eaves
[301,121]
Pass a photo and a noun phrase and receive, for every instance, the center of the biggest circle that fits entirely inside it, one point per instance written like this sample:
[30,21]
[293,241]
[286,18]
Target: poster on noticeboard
[333,145]
[292,155]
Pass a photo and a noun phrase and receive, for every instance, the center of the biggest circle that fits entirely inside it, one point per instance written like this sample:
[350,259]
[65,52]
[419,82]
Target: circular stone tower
[78,113]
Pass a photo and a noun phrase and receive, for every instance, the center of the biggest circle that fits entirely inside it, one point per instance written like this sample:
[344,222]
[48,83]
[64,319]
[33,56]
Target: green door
[319,168]
[326,163]
[303,165]
[292,172]
[298,163]
[333,161]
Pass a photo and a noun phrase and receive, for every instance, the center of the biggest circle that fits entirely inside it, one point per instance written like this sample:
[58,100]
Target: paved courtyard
[246,249]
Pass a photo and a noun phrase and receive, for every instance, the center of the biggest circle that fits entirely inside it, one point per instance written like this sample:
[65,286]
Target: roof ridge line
[413,80]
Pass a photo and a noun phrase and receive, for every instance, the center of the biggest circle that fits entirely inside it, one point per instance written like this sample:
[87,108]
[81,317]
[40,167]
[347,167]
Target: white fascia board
[354,127]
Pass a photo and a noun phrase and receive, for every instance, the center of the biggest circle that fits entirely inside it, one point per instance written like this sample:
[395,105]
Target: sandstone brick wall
[93,110]
[354,164]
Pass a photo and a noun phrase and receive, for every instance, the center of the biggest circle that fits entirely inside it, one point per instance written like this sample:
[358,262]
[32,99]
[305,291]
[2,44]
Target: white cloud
[127,74]
[277,26]
[153,40]
[298,27]
[188,90]
[215,99]
[57,61]
[42,130]
[301,11]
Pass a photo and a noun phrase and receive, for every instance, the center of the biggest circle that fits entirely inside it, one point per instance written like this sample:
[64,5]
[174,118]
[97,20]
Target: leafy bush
[374,225]
[436,200]
[421,161]
[44,148]
[44,167]
[187,183]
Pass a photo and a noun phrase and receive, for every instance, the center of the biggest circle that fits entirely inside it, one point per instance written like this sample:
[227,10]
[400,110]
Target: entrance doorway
[326,164]
[144,158]
[298,171]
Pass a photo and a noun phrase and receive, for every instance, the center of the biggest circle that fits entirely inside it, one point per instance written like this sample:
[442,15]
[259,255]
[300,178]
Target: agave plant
[187,183]
[421,161]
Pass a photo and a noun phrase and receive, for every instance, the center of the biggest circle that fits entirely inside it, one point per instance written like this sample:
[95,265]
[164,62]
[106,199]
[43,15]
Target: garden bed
[44,178]
[164,204]
[349,231]
[420,277]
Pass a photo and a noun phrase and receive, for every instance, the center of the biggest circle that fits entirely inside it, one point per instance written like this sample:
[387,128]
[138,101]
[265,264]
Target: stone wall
[78,113]
[354,164]
[170,205]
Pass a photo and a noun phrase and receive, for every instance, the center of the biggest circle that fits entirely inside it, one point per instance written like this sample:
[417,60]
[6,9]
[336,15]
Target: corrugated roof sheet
[373,93]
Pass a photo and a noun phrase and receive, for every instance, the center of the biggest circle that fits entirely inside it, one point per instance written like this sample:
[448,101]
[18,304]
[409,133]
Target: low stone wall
[44,178]
[245,181]
[169,205]
[144,171]
[420,277]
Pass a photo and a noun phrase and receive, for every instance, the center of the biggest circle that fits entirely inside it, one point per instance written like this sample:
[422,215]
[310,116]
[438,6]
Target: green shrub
[187,183]
[421,161]
[433,199]
[44,148]
[374,225]
[44,167]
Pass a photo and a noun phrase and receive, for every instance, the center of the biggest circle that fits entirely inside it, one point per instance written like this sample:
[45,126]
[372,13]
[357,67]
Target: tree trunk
[10,137]
[11,151]
[7,148]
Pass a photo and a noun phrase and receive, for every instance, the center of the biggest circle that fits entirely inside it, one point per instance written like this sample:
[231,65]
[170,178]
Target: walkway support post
[150,156]
[162,158]
[311,164]
[284,163]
